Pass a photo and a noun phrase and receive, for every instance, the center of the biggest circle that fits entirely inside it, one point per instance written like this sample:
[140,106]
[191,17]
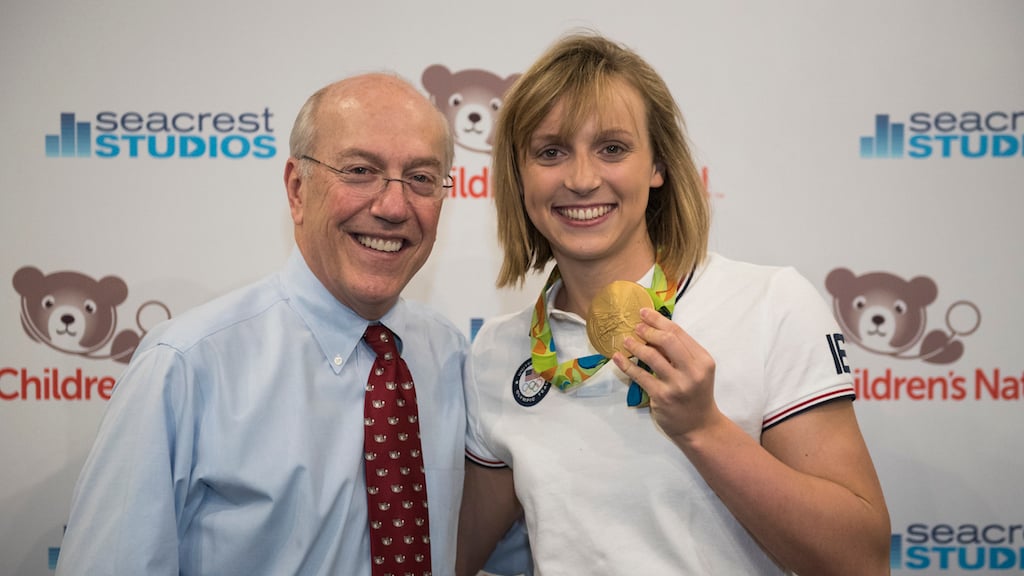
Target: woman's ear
[658,174]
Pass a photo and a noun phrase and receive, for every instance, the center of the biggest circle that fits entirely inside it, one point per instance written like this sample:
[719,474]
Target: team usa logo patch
[528,388]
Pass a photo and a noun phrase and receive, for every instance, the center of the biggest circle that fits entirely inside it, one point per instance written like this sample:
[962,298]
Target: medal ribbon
[573,373]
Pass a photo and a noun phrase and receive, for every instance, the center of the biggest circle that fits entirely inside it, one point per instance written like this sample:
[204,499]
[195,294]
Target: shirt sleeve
[804,368]
[131,493]
[478,449]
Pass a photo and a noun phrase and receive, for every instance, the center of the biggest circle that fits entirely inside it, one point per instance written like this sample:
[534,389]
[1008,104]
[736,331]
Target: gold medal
[614,314]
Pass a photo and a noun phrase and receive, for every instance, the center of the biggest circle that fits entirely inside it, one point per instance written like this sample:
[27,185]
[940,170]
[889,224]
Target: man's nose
[391,203]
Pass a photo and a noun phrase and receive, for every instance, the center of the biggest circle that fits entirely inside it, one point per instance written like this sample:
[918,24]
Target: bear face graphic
[880,311]
[69,311]
[470,100]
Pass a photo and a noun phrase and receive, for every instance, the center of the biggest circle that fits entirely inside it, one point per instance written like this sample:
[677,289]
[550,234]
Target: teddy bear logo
[886,314]
[470,100]
[76,314]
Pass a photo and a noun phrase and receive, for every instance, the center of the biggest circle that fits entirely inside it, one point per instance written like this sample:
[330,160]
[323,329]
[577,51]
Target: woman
[721,438]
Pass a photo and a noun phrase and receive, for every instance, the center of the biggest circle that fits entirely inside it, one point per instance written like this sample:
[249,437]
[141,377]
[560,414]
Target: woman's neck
[581,281]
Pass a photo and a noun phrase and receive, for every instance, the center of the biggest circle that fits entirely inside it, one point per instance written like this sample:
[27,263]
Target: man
[234,441]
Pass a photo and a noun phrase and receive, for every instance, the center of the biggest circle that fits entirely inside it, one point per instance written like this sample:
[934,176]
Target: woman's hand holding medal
[622,323]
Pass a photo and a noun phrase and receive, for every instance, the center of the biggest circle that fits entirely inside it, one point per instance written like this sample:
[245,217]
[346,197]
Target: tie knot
[381,340]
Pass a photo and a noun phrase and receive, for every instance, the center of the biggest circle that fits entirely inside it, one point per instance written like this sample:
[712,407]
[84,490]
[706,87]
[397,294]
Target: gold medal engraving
[614,313]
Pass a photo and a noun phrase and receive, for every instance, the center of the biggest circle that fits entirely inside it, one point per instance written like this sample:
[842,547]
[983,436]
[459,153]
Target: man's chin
[378,293]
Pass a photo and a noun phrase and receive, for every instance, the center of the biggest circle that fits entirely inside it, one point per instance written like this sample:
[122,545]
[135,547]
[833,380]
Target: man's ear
[293,182]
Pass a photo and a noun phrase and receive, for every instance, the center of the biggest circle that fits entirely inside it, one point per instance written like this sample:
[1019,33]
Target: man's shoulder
[226,311]
[423,319]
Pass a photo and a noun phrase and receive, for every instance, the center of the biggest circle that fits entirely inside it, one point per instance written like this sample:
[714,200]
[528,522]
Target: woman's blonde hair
[578,69]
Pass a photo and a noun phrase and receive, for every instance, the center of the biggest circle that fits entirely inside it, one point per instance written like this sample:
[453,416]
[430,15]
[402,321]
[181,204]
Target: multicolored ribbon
[573,373]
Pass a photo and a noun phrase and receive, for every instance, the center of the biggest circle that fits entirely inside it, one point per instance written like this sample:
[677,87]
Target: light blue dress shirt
[233,442]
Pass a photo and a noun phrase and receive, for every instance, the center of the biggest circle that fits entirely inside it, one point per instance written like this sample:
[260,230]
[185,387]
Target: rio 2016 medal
[614,313]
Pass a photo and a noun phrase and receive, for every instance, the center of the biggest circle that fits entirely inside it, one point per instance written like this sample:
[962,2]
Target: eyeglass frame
[447,182]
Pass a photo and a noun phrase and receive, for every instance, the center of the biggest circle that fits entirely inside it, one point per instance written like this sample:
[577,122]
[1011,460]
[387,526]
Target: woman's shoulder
[505,327]
[719,268]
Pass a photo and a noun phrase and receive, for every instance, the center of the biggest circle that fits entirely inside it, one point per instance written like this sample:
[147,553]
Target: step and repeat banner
[878,147]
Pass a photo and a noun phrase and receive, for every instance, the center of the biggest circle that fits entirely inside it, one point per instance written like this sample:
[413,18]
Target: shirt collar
[335,327]
[554,312]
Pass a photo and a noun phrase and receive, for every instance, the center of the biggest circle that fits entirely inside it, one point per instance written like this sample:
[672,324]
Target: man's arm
[127,500]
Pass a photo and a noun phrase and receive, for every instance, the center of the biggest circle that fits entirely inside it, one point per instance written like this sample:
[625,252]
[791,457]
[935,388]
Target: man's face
[365,247]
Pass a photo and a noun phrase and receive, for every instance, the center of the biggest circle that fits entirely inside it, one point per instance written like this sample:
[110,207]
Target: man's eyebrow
[358,154]
[427,162]
[379,161]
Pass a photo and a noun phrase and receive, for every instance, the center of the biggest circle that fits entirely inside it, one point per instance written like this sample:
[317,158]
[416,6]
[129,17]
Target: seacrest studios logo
[995,134]
[961,548]
[164,135]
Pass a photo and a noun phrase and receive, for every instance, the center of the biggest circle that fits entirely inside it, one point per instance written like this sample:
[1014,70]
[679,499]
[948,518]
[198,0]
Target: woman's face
[587,194]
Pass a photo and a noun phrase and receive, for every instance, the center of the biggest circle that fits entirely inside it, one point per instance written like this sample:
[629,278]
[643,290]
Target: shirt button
[338,360]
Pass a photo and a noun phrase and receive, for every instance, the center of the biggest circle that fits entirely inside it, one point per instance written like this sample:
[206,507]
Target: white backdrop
[778,98]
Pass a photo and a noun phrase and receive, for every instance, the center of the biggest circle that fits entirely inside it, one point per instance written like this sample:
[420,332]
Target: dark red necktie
[396,486]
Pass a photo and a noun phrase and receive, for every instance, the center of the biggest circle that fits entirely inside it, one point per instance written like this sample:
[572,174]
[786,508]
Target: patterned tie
[395,482]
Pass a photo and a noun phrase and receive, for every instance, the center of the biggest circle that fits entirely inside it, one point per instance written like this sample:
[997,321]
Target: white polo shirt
[604,491]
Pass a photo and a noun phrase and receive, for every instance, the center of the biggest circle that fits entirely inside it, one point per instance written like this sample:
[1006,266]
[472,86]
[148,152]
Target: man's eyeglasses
[368,180]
